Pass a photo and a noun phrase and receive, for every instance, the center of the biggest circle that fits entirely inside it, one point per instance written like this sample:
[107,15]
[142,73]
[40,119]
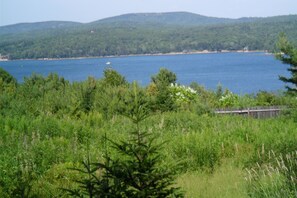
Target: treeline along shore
[143,34]
[157,54]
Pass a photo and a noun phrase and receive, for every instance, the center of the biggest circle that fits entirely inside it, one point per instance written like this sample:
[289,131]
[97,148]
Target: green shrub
[6,77]
[228,99]
[113,78]
[137,169]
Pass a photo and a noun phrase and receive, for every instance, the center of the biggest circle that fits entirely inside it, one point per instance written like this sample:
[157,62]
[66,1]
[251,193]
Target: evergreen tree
[288,55]
[113,78]
[88,95]
[162,81]
[164,77]
[137,171]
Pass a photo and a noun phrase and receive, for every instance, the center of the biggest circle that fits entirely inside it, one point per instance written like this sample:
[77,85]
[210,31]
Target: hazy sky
[17,11]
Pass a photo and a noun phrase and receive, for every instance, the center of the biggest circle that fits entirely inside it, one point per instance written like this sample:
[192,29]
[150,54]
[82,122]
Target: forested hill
[28,27]
[171,18]
[146,33]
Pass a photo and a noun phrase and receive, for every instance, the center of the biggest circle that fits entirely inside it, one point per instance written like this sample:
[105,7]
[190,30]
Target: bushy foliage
[228,99]
[7,84]
[88,95]
[48,124]
[182,95]
[113,78]
[161,82]
[164,77]
[265,98]
[6,77]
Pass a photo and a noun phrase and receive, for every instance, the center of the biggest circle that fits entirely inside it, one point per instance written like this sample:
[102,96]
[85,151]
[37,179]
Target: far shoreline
[157,54]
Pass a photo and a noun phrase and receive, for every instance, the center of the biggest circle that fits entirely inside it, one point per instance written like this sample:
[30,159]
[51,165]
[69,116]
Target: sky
[19,11]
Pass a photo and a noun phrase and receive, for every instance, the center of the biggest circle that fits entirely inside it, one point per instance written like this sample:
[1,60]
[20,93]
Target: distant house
[4,58]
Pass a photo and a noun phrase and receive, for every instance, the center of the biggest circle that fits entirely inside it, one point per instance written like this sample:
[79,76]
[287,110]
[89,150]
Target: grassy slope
[193,140]
[46,129]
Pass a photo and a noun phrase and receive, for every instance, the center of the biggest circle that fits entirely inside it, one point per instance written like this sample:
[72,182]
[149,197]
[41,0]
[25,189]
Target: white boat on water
[108,63]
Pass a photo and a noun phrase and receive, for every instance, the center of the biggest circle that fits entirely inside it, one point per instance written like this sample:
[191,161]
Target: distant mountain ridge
[27,27]
[143,33]
[166,18]
[184,18]
[169,18]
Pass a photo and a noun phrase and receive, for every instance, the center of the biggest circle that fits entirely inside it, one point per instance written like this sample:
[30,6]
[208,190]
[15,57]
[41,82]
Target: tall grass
[226,181]
[48,125]
[276,178]
[200,144]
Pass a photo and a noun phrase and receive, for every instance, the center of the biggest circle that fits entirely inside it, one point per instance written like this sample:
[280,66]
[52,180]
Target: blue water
[240,72]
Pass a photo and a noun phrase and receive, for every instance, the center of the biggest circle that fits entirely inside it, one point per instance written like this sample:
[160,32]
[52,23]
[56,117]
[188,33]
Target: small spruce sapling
[138,171]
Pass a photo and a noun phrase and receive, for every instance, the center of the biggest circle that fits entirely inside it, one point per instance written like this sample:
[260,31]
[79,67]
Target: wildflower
[182,93]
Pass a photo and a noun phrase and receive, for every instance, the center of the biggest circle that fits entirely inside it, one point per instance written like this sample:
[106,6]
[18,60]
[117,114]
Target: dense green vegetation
[49,126]
[143,34]
[288,55]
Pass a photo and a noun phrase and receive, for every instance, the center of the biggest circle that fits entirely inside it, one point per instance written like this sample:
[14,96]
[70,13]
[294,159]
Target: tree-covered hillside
[170,18]
[29,27]
[145,34]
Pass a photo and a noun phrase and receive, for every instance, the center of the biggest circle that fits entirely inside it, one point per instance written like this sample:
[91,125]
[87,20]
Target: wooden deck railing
[256,112]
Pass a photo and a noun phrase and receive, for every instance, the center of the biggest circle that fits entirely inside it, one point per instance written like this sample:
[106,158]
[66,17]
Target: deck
[256,112]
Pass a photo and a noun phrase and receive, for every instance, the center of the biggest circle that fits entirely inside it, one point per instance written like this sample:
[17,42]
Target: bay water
[241,73]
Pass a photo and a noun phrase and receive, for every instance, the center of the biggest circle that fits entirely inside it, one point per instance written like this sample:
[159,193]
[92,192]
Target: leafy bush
[6,77]
[113,78]
[164,77]
[265,98]
[228,99]
[182,95]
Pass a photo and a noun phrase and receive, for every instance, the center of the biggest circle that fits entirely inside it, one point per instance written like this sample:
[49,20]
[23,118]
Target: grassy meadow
[48,126]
